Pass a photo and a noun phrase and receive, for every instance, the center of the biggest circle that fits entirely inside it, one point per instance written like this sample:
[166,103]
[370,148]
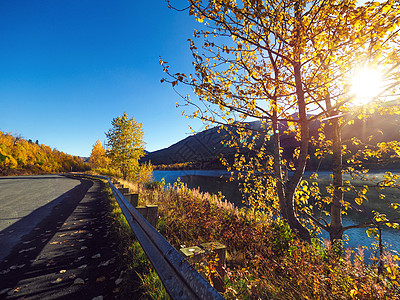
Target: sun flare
[366,84]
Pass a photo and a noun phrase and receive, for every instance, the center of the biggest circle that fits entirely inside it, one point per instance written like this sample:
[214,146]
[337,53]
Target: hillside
[205,148]
[19,156]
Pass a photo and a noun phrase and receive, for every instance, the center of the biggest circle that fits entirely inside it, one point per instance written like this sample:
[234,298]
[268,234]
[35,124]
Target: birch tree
[125,144]
[288,64]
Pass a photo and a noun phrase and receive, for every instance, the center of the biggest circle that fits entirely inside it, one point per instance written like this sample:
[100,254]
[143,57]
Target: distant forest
[21,157]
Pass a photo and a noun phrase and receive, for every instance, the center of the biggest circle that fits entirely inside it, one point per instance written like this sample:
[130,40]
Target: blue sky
[68,67]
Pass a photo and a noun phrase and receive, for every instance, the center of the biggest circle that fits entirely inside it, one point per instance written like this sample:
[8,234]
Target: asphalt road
[63,245]
[27,200]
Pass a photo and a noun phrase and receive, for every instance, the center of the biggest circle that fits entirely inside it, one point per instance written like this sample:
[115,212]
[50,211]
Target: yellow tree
[125,144]
[287,64]
[98,157]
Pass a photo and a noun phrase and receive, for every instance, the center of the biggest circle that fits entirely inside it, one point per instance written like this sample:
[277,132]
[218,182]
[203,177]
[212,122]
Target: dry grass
[265,260]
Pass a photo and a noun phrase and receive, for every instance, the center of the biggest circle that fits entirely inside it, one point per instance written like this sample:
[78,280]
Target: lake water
[214,181]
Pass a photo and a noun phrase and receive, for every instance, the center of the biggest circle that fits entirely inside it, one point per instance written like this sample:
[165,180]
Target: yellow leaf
[371,231]
[353,292]
[386,8]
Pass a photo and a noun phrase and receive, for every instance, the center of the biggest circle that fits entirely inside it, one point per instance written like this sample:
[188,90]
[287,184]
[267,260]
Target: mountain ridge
[205,148]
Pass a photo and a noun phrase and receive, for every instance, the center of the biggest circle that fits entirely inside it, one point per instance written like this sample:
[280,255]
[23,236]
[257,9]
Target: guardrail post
[205,253]
[193,254]
[123,190]
[133,199]
[220,251]
[150,213]
[142,210]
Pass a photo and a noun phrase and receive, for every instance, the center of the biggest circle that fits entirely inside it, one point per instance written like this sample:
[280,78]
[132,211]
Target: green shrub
[282,235]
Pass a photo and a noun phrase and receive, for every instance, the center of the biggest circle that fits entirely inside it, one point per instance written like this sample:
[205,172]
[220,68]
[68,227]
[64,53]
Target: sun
[365,85]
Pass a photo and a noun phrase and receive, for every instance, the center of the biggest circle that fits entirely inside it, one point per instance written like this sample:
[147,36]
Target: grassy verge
[140,279]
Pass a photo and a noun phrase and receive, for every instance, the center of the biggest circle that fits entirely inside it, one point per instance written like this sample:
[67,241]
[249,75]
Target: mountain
[205,148]
[84,158]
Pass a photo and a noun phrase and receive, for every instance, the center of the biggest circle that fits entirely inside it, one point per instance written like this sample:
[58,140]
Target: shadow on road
[71,254]
[31,244]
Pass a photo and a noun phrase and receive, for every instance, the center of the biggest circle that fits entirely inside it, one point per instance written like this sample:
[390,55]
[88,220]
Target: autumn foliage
[98,157]
[124,148]
[125,145]
[265,260]
[289,64]
[19,156]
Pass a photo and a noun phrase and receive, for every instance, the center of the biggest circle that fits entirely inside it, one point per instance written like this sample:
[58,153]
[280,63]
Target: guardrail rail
[179,278]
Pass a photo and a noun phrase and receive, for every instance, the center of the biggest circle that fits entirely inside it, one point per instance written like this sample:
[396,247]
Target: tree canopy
[290,65]
[19,156]
[98,157]
[125,144]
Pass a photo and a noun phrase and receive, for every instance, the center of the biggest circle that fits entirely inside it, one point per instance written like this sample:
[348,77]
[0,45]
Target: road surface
[58,240]
[27,200]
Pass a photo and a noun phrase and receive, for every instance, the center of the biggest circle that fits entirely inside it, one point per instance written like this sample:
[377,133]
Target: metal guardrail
[179,278]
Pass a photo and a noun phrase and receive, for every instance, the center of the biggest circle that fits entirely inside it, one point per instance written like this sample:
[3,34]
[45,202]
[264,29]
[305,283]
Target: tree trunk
[336,226]
[277,167]
[286,200]
[292,184]
[292,219]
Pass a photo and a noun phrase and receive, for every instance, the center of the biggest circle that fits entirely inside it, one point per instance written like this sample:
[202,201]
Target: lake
[214,181]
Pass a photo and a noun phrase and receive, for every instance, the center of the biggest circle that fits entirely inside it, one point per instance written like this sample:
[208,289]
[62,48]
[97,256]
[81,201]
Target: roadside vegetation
[265,260]
[140,279]
[25,157]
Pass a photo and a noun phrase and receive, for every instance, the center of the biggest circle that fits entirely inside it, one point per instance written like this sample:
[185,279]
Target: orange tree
[288,64]
[19,156]
[98,157]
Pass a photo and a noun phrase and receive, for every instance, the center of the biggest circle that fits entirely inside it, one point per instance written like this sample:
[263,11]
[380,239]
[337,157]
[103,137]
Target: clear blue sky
[68,67]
